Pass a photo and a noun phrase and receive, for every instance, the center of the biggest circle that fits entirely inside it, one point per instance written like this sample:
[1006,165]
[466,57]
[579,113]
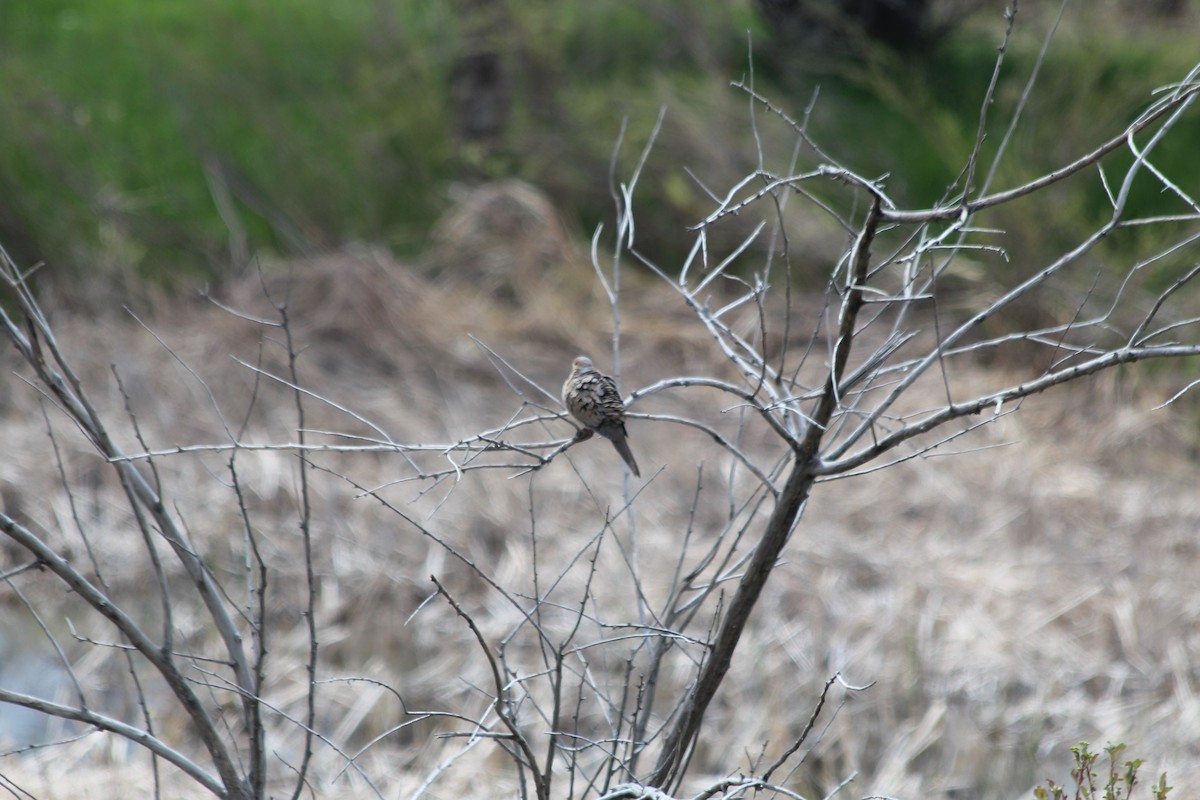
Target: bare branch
[130,732]
[529,760]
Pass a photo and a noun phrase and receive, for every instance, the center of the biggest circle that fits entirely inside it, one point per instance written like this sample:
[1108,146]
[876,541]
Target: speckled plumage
[594,400]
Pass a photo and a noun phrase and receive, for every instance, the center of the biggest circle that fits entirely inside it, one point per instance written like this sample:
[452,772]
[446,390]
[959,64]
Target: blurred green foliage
[122,120]
[155,140]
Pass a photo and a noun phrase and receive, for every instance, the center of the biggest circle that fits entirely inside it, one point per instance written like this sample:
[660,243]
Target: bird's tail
[627,454]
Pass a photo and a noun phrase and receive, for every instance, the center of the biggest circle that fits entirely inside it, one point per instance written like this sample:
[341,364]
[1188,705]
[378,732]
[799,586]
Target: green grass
[329,124]
[113,111]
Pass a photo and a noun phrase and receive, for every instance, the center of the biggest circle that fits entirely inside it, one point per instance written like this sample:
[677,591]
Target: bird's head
[582,364]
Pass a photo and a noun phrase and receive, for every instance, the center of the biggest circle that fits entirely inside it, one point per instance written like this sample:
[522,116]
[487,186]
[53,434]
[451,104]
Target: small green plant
[1090,783]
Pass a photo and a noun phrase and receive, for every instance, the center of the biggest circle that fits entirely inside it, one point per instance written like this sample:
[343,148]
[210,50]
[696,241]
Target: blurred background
[166,144]
[410,174]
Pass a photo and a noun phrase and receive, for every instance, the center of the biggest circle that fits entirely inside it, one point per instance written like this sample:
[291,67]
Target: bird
[594,400]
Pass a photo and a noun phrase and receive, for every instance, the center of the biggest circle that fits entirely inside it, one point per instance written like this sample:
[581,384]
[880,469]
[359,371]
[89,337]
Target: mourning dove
[594,400]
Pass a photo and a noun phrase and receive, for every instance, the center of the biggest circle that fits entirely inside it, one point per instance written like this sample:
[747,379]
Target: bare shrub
[568,632]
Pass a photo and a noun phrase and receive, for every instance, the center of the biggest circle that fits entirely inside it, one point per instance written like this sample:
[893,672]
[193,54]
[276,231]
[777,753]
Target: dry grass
[1005,602]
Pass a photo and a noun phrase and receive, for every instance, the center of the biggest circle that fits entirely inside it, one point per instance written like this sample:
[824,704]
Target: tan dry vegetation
[1005,602]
